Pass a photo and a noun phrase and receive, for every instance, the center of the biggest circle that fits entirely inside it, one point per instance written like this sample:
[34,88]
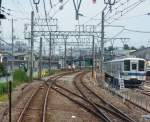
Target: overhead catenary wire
[130,30]
[99,13]
[59,9]
[121,12]
[51,5]
[31,5]
[137,31]
[124,11]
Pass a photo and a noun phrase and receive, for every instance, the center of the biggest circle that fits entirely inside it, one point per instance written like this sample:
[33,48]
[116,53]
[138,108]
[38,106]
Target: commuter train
[130,70]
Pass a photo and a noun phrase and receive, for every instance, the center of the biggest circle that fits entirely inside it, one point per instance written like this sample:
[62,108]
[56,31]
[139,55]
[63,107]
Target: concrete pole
[10,98]
[71,57]
[80,60]
[93,56]
[102,41]
[32,43]
[12,38]
[65,65]
[40,59]
[50,53]
[0,9]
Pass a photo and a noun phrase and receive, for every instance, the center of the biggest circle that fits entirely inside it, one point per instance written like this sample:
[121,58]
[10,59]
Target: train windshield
[127,65]
[134,66]
[141,65]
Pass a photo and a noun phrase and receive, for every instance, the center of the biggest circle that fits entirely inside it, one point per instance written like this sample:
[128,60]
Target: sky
[134,19]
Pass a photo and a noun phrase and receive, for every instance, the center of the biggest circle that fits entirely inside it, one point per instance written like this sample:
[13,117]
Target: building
[142,53]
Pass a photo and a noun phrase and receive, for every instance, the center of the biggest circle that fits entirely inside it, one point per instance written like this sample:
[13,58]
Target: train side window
[141,65]
[127,65]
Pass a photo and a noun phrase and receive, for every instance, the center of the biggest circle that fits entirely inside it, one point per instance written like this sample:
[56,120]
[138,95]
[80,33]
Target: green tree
[133,48]
[2,69]
[142,47]
[110,48]
[126,47]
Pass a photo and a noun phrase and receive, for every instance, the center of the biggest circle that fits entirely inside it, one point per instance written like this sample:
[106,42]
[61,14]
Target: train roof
[116,60]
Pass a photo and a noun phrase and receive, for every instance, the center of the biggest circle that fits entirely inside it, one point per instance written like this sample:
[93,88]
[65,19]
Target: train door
[134,69]
[134,66]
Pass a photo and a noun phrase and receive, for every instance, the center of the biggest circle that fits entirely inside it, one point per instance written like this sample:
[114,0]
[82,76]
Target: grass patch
[3,88]
[19,77]
[48,73]
[3,97]
[51,72]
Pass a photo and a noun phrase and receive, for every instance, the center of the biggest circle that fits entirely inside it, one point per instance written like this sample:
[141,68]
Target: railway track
[49,83]
[99,102]
[85,101]
[35,107]
[144,92]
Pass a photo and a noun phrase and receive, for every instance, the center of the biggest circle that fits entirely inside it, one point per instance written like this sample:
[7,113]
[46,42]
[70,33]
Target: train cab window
[127,65]
[141,65]
[134,66]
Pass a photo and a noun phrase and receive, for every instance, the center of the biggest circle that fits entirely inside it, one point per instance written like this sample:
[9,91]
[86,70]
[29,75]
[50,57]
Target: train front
[134,72]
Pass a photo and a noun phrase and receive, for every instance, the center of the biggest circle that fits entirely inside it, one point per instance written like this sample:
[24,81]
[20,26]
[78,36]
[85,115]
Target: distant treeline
[3,71]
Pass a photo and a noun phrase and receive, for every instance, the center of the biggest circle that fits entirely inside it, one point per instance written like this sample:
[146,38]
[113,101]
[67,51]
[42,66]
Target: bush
[3,88]
[51,72]
[2,70]
[20,76]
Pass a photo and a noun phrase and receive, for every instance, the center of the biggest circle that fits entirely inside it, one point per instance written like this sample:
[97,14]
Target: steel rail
[131,102]
[45,105]
[51,81]
[99,110]
[79,103]
[114,110]
[98,105]
[100,113]
[27,105]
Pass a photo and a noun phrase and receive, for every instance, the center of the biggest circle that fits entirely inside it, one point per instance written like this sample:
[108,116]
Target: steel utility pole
[102,39]
[71,54]
[77,7]
[0,9]
[50,52]
[12,38]
[9,97]
[80,60]
[12,63]
[40,59]
[32,42]
[0,3]
[93,56]
[65,53]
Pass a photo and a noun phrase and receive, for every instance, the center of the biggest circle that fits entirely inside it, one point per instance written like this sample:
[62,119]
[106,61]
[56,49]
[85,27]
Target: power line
[36,4]
[51,3]
[140,15]
[125,11]
[59,9]
[137,31]
[31,5]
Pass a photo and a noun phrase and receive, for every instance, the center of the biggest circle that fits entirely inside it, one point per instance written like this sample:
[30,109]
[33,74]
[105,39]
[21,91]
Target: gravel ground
[19,96]
[60,109]
[119,103]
